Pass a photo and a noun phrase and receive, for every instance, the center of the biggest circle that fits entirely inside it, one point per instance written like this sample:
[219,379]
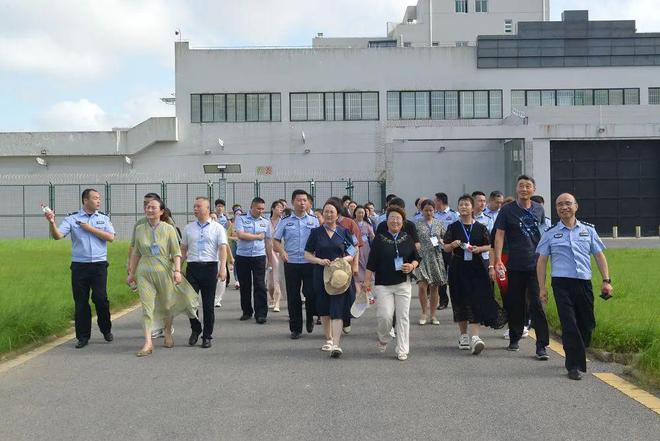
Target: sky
[70,65]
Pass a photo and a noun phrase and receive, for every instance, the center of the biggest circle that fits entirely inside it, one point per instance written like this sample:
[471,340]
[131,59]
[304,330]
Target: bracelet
[491,266]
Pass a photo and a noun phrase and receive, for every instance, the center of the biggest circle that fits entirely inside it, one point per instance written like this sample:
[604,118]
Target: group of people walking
[335,259]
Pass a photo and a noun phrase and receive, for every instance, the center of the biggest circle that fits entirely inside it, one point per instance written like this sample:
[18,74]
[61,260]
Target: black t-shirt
[478,237]
[408,226]
[522,229]
[384,251]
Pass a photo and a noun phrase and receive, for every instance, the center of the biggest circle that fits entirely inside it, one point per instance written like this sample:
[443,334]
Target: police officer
[294,230]
[383,216]
[481,217]
[203,245]
[90,231]
[220,212]
[447,216]
[495,201]
[569,244]
[253,250]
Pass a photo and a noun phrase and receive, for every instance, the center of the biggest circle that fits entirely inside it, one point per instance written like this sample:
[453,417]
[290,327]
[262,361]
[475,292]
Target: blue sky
[91,65]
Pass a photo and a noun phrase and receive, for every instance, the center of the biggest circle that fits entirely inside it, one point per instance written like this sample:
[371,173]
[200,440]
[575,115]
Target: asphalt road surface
[257,384]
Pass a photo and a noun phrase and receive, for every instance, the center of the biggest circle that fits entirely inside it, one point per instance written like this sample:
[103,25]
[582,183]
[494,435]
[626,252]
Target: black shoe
[514,347]
[443,306]
[206,343]
[295,335]
[261,320]
[309,324]
[318,321]
[82,343]
[108,337]
[542,354]
[245,317]
[574,374]
[194,336]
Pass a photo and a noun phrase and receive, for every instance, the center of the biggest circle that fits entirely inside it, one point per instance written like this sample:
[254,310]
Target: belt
[203,263]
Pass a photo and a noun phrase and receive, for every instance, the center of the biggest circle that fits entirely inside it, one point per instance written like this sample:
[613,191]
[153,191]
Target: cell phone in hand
[605,295]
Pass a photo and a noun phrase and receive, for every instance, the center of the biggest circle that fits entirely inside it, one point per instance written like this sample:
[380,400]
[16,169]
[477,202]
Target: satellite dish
[128,160]
[221,143]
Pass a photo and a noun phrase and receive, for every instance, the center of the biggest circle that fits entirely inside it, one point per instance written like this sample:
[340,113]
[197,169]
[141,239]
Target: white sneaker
[525,333]
[476,345]
[402,357]
[218,304]
[464,342]
[157,333]
[346,329]
[506,335]
[237,285]
[392,333]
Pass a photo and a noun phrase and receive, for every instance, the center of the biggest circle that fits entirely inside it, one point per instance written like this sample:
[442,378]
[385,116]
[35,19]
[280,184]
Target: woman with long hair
[273,272]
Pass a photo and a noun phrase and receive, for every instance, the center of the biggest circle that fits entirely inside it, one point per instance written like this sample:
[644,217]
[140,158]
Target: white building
[452,99]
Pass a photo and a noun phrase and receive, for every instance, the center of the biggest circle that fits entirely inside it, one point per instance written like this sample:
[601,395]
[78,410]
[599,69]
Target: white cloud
[81,115]
[85,115]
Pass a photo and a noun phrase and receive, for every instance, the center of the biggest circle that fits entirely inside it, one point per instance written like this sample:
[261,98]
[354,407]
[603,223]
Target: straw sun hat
[337,277]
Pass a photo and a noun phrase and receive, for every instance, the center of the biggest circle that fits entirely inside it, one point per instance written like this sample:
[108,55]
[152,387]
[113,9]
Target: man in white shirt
[202,244]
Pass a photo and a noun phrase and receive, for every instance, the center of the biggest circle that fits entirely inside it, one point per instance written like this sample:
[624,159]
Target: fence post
[163,191]
[51,195]
[210,193]
[23,188]
[256,188]
[108,205]
[312,188]
[349,188]
[383,193]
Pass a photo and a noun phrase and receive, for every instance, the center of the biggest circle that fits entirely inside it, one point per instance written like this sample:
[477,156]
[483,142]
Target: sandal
[143,353]
[327,347]
[435,321]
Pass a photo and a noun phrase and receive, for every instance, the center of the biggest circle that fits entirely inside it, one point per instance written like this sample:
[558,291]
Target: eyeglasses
[564,204]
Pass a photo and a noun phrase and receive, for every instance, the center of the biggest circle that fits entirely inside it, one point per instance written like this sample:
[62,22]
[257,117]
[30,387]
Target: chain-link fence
[21,215]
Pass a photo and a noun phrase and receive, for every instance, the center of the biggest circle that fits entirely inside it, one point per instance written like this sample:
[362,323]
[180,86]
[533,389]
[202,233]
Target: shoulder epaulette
[100,212]
[489,217]
[587,224]
[452,210]
[72,213]
[552,226]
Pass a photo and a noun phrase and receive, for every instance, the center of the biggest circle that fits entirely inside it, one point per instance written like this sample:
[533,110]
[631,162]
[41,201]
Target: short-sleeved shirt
[325,247]
[570,249]
[478,237]
[248,224]
[523,229]
[448,216]
[203,241]
[384,250]
[295,231]
[492,213]
[86,247]
[487,222]
[408,226]
[222,220]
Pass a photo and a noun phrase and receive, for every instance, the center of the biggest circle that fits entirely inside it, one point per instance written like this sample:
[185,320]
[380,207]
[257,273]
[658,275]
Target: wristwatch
[607,281]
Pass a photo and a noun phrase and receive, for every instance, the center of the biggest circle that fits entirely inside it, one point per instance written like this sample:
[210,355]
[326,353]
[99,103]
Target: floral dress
[432,267]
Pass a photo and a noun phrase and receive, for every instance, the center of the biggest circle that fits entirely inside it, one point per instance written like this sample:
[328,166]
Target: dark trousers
[252,270]
[299,275]
[94,277]
[442,289]
[523,291]
[203,277]
[575,305]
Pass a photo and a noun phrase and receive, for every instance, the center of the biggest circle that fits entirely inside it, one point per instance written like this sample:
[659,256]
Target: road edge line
[643,397]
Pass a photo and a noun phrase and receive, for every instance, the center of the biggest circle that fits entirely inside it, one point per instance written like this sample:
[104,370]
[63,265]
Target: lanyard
[467,235]
[396,246]
[430,227]
[153,232]
[346,241]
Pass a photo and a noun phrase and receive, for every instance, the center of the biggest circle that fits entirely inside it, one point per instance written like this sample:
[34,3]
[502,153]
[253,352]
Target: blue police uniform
[570,251]
[492,213]
[89,271]
[379,219]
[251,266]
[487,222]
[448,216]
[222,220]
[298,273]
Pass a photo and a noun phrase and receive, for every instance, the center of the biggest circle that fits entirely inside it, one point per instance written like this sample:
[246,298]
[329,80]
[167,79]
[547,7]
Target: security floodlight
[303,136]
[41,161]
[207,151]
[221,143]
[442,149]
[128,160]
[307,151]
[44,152]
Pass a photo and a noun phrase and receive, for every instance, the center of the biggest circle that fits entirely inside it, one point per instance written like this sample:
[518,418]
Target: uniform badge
[584,233]
[558,235]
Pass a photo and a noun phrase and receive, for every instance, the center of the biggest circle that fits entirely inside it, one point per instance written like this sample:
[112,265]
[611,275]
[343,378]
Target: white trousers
[391,299]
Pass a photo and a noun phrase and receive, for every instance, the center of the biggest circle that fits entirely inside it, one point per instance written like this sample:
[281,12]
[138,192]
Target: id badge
[467,255]
[351,250]
[398,263]
[434,241]
[200,245]
[155,249]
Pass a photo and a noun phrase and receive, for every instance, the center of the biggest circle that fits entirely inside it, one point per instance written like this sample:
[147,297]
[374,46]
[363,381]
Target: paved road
[256,383]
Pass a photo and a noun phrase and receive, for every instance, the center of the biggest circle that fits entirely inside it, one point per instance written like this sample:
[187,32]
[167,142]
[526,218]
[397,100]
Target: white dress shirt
[203,241]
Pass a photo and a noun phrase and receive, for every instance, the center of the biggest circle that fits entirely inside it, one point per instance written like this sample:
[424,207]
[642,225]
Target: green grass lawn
[630,321]
[35,289]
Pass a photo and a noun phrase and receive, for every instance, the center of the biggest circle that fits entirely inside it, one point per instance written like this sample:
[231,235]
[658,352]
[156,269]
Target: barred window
[444,104]
[232,107]
[574,97]
[333,106]
[654,95]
